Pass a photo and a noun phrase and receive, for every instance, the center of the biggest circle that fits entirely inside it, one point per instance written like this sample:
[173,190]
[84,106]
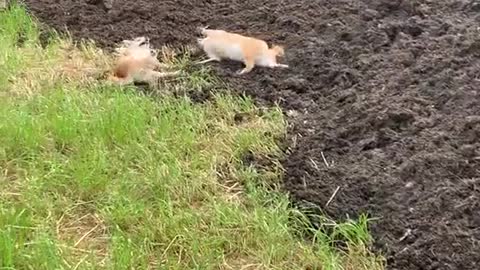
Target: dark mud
[386,90]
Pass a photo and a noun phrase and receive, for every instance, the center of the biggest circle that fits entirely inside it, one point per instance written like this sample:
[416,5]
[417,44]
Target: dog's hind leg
[207,61]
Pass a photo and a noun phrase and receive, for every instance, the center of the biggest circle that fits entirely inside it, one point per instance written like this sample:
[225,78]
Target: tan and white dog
[137,62]
[220,44]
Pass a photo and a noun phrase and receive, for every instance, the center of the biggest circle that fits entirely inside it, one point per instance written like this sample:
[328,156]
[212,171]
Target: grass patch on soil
[100,177]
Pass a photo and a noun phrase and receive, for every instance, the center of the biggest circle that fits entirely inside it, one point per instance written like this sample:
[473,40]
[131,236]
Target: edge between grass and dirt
[96,176]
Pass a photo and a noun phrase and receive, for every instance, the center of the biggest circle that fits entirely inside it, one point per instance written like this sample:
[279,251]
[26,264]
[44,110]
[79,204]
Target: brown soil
[386,90]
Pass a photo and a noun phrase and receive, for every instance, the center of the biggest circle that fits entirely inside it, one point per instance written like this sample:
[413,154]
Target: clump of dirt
[385,95]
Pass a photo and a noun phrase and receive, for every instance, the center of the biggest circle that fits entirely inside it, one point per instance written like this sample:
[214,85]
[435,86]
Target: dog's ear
[201,29]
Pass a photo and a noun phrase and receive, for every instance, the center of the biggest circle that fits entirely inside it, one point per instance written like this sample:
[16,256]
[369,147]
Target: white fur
[137,48]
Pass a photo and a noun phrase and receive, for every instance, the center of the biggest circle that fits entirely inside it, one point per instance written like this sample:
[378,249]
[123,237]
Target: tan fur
[220,44]
[137,62]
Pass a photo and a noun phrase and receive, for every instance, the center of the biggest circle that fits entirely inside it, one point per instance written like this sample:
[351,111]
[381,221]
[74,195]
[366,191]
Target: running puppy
[137,62]
[220,44]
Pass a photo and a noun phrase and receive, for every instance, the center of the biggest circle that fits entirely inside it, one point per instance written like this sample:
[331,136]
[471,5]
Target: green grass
[100,177]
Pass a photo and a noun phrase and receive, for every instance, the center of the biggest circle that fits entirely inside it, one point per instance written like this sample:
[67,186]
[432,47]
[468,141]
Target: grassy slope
[98,177]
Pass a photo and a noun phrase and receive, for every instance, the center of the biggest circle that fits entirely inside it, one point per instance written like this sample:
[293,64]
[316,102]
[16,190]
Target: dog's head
[278,50]
[137,46]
